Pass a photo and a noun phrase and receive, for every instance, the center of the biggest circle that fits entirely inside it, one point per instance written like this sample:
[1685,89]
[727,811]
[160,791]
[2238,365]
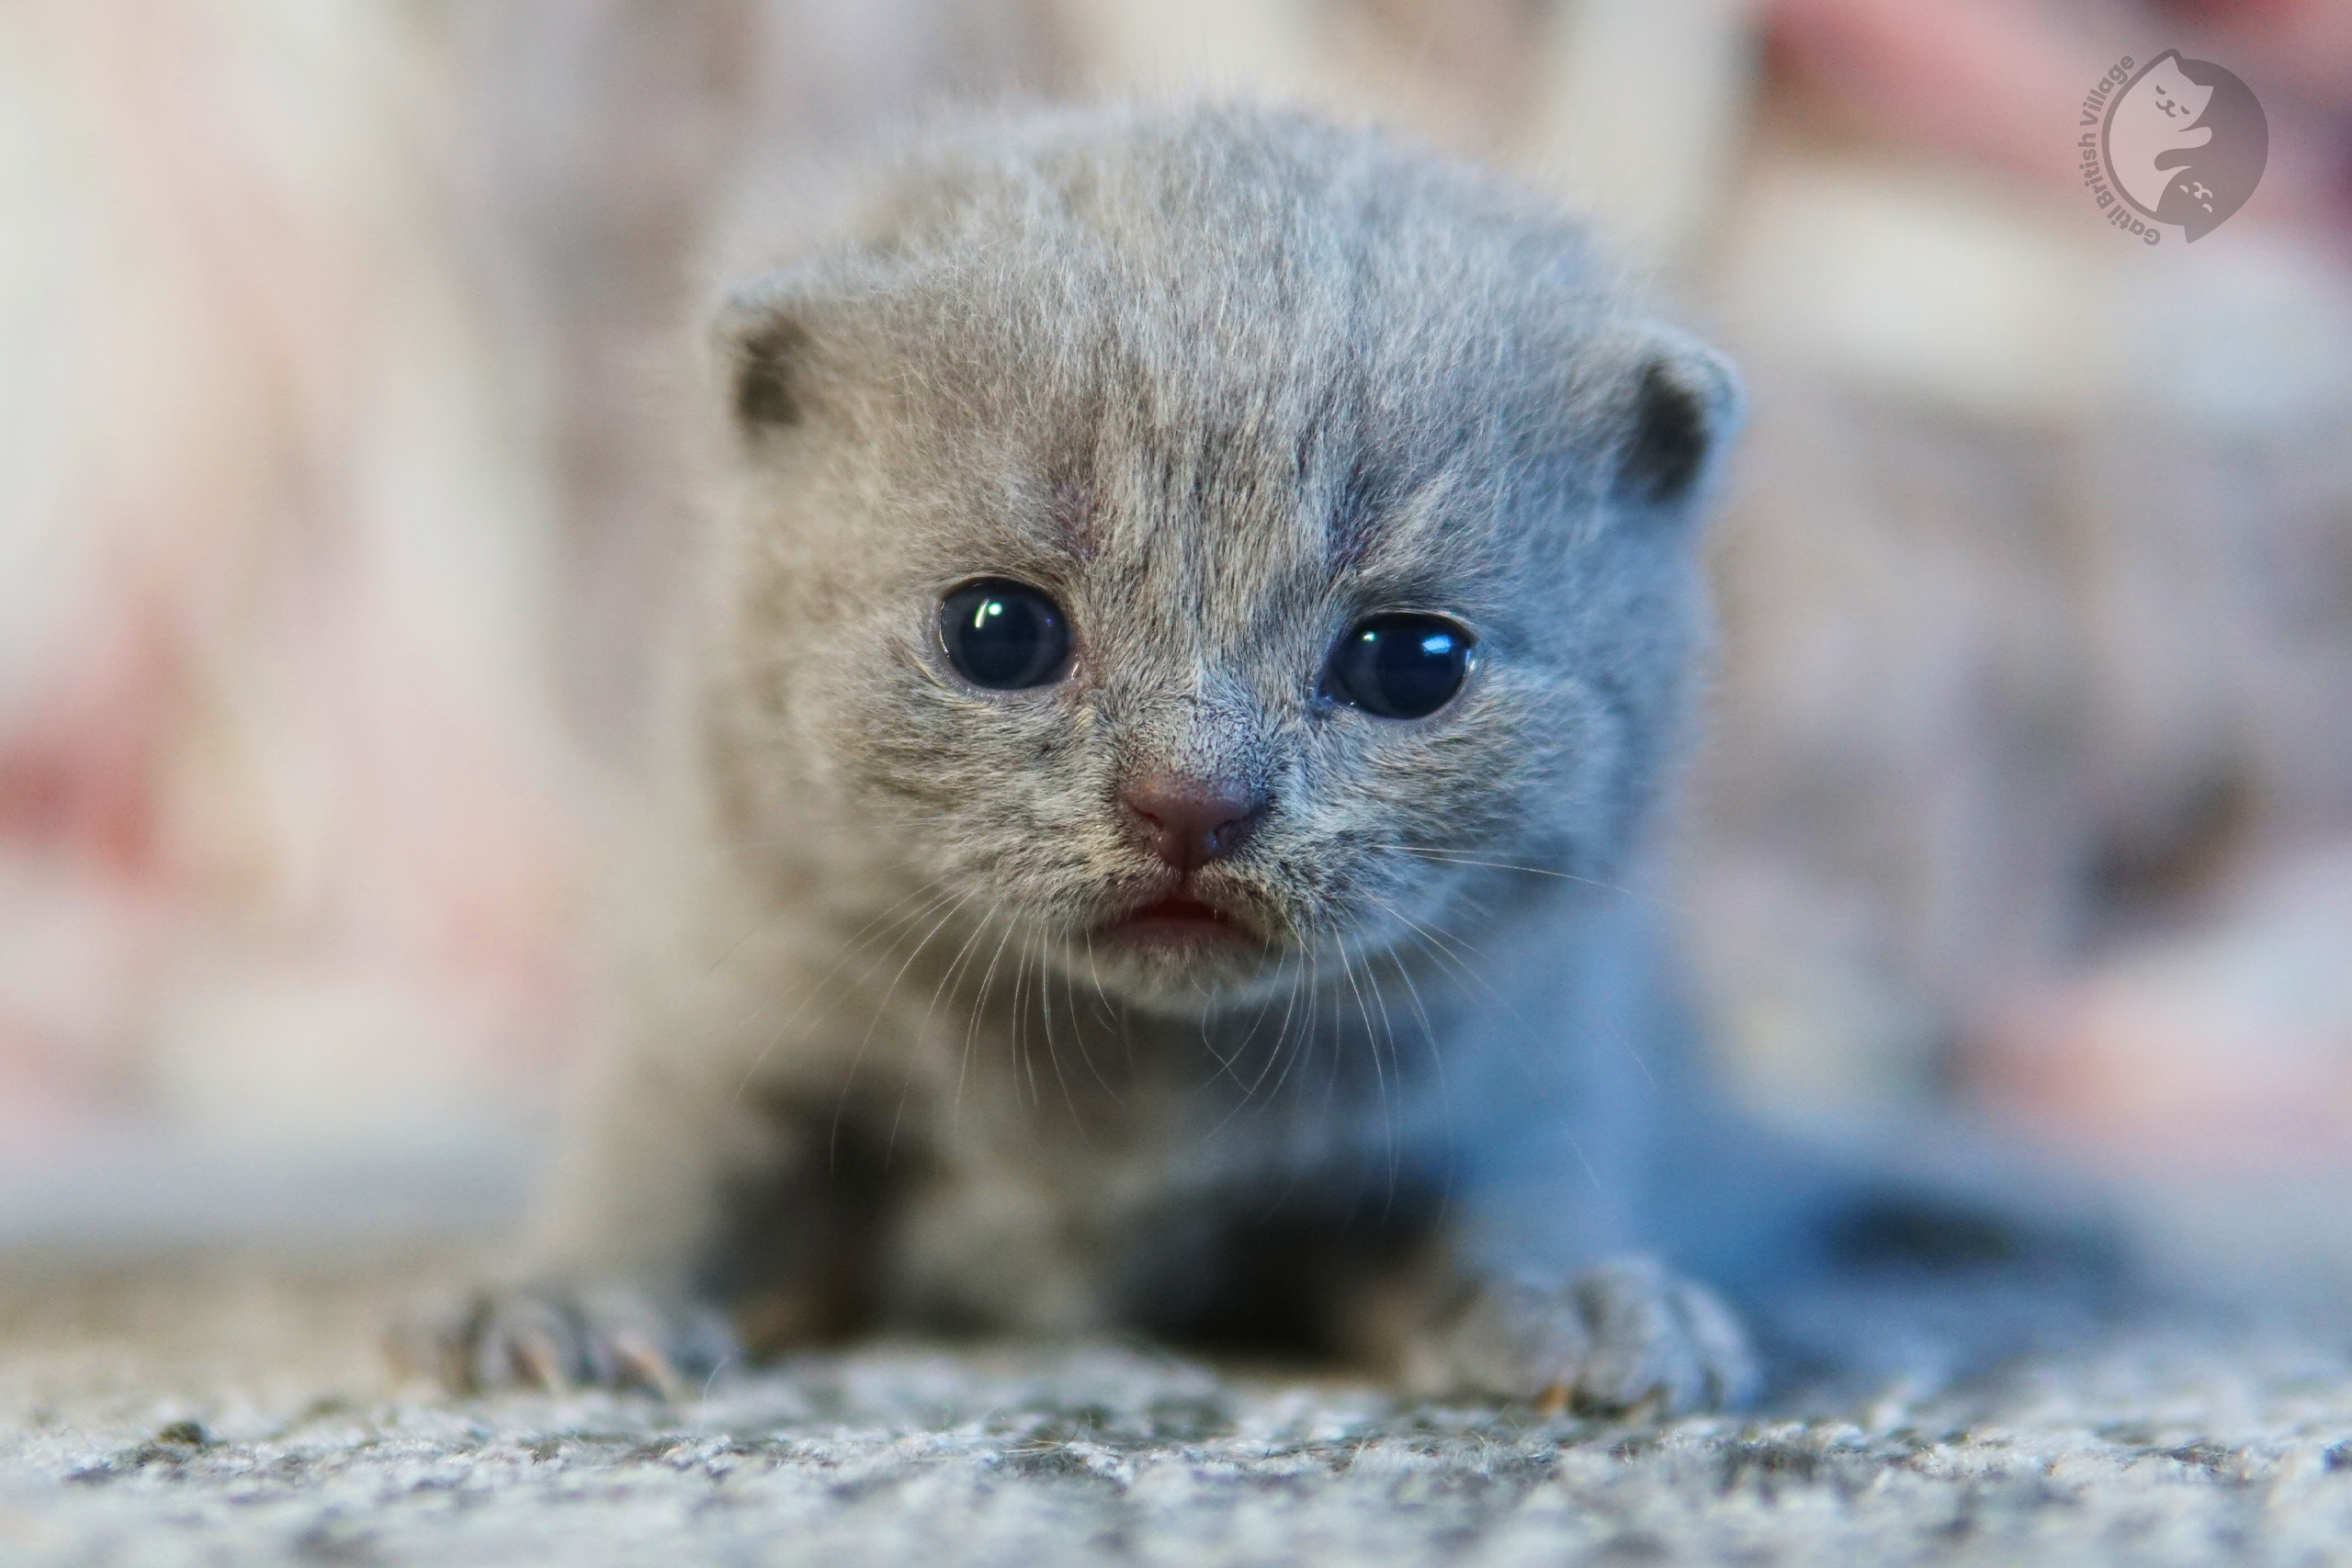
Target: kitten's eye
[1003,636]
[1399,666]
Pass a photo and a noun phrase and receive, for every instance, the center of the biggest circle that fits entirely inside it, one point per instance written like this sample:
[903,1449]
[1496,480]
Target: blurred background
[338,497]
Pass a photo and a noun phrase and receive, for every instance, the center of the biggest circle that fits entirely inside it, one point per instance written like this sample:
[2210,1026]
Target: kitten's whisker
[1437,1065]
[1077,1025]
[1053,1052]
[947,978]
[1439,946]
[1451,947]
[720,845]
[1249,1089]
[1106,1009]
[1021,1020]
[762,923]
[1619,1035]
[1440,943]
[1308,1036]
[1113,1011]
[1257,1022]
[1224,1063]
[1465,979]
[841,1101]
[1388,1110]
[858,944]
[853,939]
[1282,1035]
[972,1024]
[1381,1002]
[1331,1077]
[1456,857]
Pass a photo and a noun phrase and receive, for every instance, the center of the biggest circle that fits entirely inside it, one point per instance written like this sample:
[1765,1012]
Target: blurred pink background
[338,503]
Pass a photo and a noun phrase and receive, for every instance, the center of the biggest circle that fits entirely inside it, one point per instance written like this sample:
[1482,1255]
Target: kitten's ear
[760,341]
[1687,406]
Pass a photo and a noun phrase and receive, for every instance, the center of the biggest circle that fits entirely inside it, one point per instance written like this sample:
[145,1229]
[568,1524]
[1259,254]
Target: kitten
[1202,615]
[2158,119]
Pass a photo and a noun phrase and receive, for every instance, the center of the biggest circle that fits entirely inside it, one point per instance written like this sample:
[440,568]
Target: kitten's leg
[1387,1283]
[604,1290]
[689,1223]
[1624,1334]
[1546,1285]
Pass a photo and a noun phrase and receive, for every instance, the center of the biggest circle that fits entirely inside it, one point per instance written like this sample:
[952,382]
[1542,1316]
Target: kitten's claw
[551,1338]
[1625,1336]
[637,1362]
[527,1355]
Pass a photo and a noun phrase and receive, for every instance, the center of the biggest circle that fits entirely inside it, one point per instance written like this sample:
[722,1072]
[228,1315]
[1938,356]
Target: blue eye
[1399,666]
[1005,636]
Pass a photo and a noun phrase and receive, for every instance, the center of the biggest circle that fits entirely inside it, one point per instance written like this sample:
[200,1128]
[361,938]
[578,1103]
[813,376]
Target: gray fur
[1223,380]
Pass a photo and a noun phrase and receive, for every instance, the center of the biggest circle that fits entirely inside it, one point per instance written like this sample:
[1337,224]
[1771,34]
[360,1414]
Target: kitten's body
[893,1048]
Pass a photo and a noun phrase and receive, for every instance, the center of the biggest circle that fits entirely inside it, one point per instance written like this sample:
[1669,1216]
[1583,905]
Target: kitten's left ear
[761,339]
[1687,406]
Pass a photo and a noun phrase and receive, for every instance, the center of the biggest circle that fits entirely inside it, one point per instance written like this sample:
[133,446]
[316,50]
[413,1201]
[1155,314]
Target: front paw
[1622,1336]
[551,1336]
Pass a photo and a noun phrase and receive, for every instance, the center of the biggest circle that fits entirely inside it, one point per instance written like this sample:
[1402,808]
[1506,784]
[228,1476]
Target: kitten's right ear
[1687,406]
[761,343]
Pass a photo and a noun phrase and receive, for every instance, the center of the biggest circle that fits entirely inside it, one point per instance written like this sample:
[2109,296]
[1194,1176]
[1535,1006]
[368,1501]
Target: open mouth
[1178,917]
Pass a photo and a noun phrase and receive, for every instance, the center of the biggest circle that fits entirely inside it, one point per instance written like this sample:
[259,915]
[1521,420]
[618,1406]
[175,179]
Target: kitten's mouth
[1177,918]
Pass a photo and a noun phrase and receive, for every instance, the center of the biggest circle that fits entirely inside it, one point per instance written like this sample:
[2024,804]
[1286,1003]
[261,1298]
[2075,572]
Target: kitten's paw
[1622,1336]
[551,1338]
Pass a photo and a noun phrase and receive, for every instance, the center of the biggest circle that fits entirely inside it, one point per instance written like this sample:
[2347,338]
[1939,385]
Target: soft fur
[1223,381]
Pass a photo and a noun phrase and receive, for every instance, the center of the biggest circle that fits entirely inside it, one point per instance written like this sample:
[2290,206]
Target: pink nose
[1190,822]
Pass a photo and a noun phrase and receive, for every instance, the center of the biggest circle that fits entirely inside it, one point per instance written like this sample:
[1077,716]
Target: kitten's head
[2165,92]
[1198,539]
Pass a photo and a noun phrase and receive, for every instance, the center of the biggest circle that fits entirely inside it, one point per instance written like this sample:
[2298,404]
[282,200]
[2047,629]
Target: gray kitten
[1202,617]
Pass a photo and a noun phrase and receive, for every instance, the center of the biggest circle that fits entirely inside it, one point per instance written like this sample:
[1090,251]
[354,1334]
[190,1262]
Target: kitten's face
[1187,618]
[2172,95]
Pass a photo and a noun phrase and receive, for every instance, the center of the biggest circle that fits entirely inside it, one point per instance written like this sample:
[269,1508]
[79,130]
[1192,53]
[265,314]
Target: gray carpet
[233,1411]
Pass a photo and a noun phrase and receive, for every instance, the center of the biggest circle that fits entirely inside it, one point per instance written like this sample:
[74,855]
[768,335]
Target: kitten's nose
[1189,822]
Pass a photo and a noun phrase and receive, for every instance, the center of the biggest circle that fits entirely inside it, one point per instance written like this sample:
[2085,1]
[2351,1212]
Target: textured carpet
[233,1411]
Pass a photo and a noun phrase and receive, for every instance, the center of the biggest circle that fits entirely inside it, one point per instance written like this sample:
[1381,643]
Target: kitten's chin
[1175,981]
[1172,952]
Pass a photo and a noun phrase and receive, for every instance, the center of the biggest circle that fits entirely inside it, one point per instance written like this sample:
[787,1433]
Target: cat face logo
[2184,143]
